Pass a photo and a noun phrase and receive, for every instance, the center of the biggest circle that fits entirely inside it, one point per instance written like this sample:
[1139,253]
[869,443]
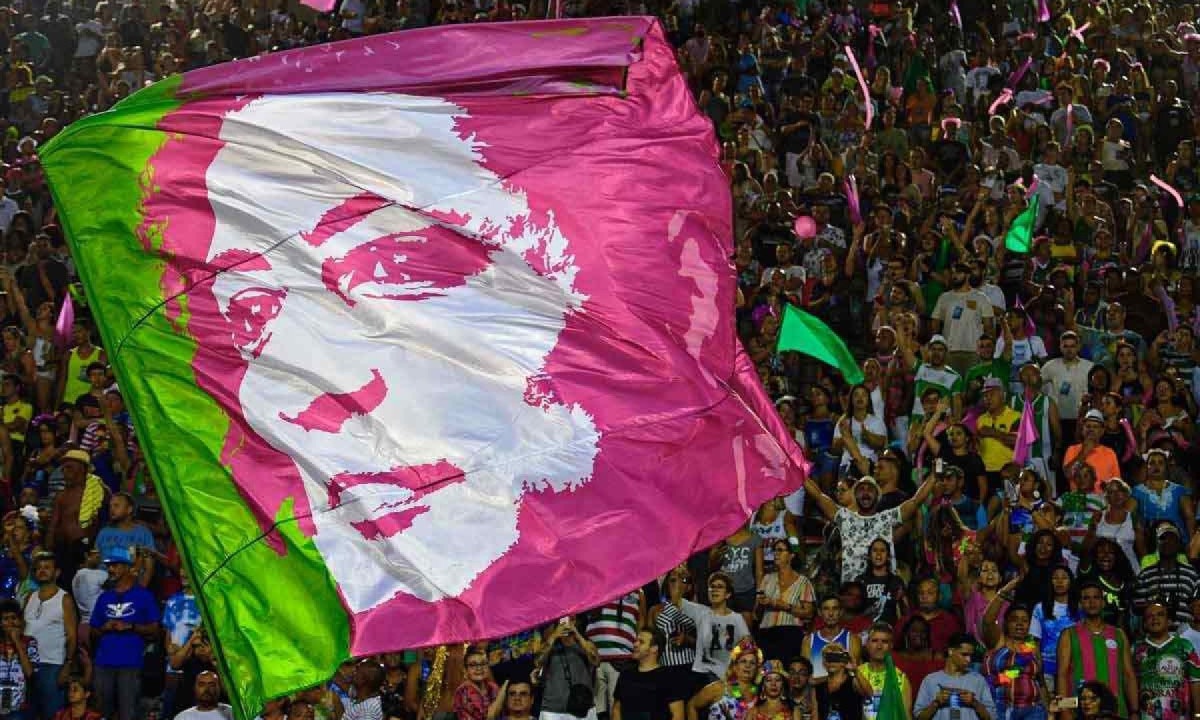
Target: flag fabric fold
[65,323]
[1019,238]
[804,333]
[420,332]
[891,701]
[1027,433]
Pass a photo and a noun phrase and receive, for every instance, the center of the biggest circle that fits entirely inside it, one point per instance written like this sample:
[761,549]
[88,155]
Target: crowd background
[1007,580]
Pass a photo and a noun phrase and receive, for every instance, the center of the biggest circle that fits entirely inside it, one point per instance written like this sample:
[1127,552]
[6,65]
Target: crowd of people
[1009,572]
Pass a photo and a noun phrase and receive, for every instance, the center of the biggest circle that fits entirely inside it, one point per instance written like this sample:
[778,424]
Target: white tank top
[44,622]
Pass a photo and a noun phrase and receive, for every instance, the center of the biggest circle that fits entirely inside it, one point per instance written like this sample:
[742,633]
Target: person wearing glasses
[677,627]
[478,697]
[518,701]
[955,693]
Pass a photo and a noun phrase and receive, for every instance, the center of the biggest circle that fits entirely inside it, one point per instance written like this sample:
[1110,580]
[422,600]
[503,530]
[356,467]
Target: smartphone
[939,466]
[564,622]
[1068,703]
[837,657]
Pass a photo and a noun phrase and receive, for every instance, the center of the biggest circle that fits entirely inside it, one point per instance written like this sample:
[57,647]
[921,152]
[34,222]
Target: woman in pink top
[978,593]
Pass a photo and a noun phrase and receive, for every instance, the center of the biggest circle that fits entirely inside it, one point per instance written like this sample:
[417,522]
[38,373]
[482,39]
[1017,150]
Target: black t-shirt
[846,702]
[648,695]
[971,465]
[883,596]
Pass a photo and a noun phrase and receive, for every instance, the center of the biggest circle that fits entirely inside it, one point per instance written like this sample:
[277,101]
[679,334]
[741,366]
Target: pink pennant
[955,14]
[1005,96]
[971,418]
[66,322]
[1015,78]
[1169,190]
[852,199]
[1027,435]
[1030,325]
[862,83]
[873,31]
[1078,32]
[1043,11]
[1033,186]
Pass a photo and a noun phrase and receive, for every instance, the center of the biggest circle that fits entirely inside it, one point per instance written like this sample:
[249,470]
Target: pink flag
[65,323]
[862,85]
[1043,11]
[954,13]
[322,6]
[1030,325]
[852,203]
[1027,434]
[1169,189]
[463,334]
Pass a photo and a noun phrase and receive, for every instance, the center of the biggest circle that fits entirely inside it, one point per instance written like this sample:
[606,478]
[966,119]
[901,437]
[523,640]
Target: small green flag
[1019,238]
[804,333]
[891,702]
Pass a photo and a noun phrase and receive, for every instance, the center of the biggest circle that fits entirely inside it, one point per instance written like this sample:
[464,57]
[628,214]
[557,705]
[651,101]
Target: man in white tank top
[52,620]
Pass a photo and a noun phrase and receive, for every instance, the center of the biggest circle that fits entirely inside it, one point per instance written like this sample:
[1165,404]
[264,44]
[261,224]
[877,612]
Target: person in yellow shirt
[871,675]
[997,430]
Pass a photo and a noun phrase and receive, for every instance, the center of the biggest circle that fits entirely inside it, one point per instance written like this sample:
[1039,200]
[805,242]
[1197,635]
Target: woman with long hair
[1109,566]
[915,654]
[1130,380]
[1058,610]
[979,592]
[785,599]
[677,626]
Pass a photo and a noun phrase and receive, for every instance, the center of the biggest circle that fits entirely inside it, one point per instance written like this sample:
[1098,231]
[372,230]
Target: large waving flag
[428,338]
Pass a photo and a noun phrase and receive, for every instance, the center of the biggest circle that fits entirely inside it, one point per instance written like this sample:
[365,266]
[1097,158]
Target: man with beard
[1168,669]
[859,527]
[208,700]
[51,620]
[1094,651]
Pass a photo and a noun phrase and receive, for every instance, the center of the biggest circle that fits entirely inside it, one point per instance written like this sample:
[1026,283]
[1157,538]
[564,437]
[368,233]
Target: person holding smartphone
[955,692]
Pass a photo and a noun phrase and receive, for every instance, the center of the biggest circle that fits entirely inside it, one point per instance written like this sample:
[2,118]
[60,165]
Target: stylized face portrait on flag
[422,337]
[432,316]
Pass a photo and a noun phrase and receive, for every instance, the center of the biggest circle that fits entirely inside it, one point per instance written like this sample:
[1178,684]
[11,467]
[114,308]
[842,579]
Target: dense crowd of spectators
[1008,580]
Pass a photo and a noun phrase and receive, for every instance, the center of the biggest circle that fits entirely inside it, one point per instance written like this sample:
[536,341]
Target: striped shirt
[673,622]
[614,631]
[1173,588]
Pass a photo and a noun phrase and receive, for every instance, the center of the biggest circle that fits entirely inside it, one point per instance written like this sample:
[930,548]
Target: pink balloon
[805,227]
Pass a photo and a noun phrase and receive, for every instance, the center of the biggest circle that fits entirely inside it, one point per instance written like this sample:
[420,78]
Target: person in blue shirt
[123,532]
[124,618]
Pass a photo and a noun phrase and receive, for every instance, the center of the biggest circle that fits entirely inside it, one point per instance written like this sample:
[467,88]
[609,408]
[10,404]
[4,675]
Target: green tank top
[77,380]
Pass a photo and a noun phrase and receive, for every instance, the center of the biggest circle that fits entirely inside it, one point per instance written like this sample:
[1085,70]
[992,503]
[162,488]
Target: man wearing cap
[1065,379]
[997,432]
[1168,668]
[860,527]
[962,315]
[1168,580]
[1101,458]
[932,371]
[74,521]
[124,618]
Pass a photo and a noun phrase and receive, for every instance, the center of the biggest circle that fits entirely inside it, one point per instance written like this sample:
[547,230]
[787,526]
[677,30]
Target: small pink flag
[955,14]
[1005,95]
[1043,11]
[862,83]
[1030,325]
[1169,190]
[323,6]
[852,199]
[1027,434]
[66,321]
